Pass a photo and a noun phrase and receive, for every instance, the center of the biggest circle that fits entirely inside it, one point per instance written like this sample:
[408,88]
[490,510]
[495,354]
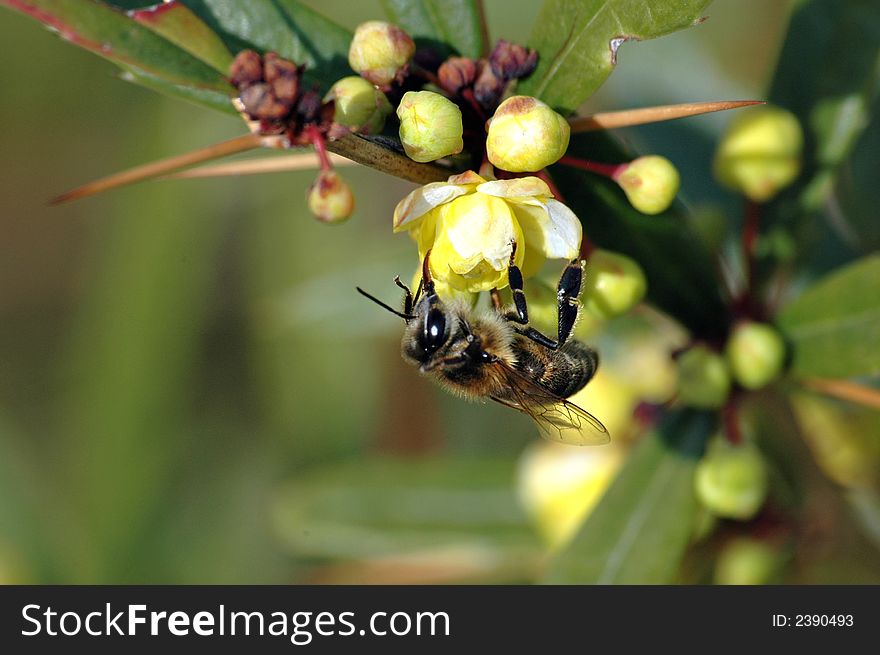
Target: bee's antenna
[407,317]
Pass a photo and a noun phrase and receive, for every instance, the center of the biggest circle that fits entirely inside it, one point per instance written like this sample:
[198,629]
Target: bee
[497,355]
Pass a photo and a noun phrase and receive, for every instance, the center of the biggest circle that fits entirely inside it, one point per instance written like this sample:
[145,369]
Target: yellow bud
[358,104]
[748,561]
[703,378]
[731,480]
[559,486]
[756,353]
[613,284]
[760,153]
[330,198]
[526,135]
[650,183]
[380,51]
[430,126]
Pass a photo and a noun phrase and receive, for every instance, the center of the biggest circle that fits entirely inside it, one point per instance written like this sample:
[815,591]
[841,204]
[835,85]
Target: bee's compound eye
[435,329]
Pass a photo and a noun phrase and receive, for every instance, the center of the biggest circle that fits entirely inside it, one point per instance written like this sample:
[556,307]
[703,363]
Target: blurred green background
[191,391]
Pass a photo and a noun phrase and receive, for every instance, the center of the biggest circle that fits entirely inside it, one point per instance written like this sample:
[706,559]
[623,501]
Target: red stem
[731,421]
[611,171]
[748,303]
[317,140]
[468,94]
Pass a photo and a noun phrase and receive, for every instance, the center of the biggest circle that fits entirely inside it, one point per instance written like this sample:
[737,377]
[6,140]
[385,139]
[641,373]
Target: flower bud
[330,198]
[650,183]
[756,354]
[510,61]
[613,284]
[703,378]
[760,154]
[358,104]
[731,480]
[748,561]
[430,126]
[260,102]
[559,486]
[488,87]
[526,135]
[380,52]
[246,69]
[456,73]
[283,75]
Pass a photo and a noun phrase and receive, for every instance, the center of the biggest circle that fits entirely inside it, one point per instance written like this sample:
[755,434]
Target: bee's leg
[567,293]
[496,299]
[515,280]
[408,298]
[520,314]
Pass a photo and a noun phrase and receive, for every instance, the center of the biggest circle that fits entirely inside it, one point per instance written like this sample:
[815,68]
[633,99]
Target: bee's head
[430,332]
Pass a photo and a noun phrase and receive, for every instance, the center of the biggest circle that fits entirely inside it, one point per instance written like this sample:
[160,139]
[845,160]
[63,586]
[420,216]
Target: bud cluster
[270,91]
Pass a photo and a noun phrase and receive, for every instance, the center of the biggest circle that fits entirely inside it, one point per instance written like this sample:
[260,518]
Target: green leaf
[284,26]
[641,527]
[183,28]
[682,278]
[838,42]
[112,34]
[441,24]
[382,507]
[578,41]
[205,97]
[834,326]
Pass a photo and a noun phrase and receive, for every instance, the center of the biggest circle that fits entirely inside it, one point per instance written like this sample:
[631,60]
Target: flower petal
[480,226]
[424,199]
[515,188]
[552,228]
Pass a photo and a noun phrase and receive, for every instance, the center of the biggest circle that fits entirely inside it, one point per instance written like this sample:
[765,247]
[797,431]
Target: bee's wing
[557,419]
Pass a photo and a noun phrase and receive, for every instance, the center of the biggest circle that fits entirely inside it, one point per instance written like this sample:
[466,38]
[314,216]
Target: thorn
[256,166]
[614,119]
[164,166]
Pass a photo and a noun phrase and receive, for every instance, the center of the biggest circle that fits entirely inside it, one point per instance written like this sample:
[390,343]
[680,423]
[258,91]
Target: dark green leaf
[112,34]
[577,42]
[440,24]
[641,527]
[682,279]
[838,42]
[834,326]
[283,26]
[183,28]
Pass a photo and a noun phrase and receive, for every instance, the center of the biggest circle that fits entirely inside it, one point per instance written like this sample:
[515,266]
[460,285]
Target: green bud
[613,284]
[430,126]
[760,154]
[731,480]
[650,183]
[703,378]
[330,198]
[756,354]
[358,104]
[380,51]
[747,561]
[526,135]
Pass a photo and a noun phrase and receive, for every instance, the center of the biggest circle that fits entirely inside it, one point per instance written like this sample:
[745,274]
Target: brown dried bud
[456,73]
[309,106]
[246,69]
[488,88]
[283,75]
[510,61]
[260,102]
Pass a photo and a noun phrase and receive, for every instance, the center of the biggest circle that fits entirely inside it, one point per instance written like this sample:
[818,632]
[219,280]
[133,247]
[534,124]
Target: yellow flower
[470,224]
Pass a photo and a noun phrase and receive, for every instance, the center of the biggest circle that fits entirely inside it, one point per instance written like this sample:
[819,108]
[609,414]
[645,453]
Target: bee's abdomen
[563,372]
